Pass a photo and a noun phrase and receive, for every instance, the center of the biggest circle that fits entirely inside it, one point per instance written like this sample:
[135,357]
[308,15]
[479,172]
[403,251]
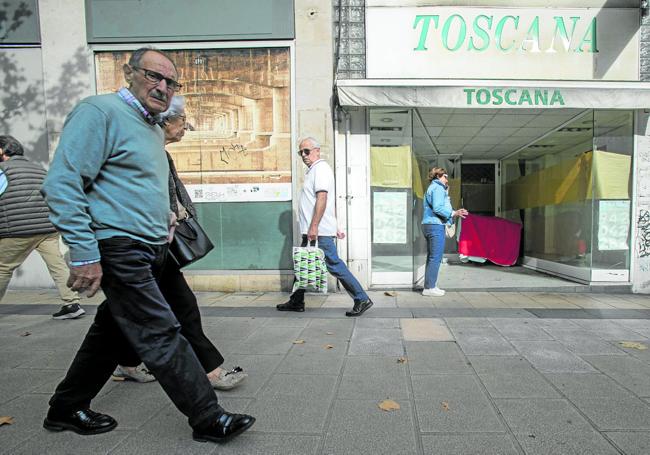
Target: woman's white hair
[176,109]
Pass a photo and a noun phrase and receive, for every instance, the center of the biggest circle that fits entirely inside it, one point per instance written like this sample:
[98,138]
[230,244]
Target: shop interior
[564,175]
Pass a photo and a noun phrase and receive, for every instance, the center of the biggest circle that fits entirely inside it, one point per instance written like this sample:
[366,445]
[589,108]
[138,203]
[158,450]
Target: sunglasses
[305,151]
[153,76]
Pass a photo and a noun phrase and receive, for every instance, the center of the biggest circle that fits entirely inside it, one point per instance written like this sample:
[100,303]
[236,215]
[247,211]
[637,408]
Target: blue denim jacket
[437,205]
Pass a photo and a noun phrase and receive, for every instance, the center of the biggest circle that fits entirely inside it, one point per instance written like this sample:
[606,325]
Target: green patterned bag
[310,269]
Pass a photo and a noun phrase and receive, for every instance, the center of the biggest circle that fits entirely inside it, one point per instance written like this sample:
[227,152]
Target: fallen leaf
[633,345]
[25,334]
[329,346]
[6,420]
[388,405]
[390,293]
[298,341]
[445,406]
[329,333]
[402,360]
[117,379]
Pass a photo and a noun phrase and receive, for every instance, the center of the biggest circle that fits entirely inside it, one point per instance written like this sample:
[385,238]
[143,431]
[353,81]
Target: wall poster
[613,225]
[238,143]
[389,211]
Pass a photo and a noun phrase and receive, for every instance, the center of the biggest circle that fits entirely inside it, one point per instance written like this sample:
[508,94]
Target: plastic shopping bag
[310,269]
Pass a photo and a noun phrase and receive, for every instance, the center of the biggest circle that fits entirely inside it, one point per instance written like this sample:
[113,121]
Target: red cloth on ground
[495,239]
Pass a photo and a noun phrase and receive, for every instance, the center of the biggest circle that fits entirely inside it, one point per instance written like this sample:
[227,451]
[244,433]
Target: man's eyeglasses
[153,76]
[305,152]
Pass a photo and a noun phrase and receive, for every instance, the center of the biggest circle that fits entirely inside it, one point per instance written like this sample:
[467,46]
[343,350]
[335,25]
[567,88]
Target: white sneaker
[434,292]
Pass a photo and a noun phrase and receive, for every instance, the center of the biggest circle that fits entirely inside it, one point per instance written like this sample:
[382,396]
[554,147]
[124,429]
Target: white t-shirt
[319,177]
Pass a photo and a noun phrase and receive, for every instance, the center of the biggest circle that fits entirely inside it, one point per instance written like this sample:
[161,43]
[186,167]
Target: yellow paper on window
[390,167]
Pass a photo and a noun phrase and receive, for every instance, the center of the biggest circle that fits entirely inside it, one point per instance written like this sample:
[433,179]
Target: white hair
[314,142]
[176,108]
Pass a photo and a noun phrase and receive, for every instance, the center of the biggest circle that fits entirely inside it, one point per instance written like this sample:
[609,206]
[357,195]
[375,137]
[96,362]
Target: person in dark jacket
[25,227]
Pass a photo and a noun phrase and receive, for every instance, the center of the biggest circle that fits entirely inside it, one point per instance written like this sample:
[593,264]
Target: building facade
[257,75]
[537,109]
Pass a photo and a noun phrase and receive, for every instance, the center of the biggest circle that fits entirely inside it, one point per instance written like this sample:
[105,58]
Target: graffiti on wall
[643,233]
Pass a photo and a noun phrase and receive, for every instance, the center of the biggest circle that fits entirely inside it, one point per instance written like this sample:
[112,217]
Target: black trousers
[137,315]
[183,303]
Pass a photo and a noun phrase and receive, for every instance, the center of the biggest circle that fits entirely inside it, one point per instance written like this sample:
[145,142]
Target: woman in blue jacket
[437,213]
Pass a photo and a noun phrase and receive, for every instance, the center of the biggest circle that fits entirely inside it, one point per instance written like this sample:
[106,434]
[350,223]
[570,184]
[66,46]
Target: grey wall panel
[123,21]
[19,22]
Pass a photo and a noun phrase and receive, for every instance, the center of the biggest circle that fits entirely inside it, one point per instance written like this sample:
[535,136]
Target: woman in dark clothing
[172,283]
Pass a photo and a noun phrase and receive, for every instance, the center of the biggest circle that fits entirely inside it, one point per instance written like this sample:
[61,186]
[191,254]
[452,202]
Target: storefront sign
[508,43]
[513,97]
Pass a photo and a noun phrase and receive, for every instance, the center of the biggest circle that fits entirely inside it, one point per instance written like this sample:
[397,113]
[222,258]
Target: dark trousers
[137,315]
[183,303]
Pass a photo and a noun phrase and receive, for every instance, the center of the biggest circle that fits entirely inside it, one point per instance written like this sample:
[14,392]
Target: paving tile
[289,414]
[552,356]
[541,415]
[615,413]
[631,442]
[584,342]
[323,336]
[453,322]
[359,426]
[436,358]
[586,442]
[376,341]
[521,383]
[62,443]
[425,330]
[168,432]
[15,381]
[519,329]
[268,340]
[469,444]
[631,373]
[609,330]
[314,385]
[373,365]
[446,403]
[376,323]
[482,341]
[28,412]
[132,404]
[307,362]
[377,386]
[586,385]
[252,443]
[640,326]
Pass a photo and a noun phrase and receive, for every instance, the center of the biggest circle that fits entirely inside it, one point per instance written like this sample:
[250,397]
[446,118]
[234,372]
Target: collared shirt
[132,101]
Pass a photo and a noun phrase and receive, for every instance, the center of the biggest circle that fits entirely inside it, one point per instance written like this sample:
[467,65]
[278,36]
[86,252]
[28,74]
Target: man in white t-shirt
[318,221]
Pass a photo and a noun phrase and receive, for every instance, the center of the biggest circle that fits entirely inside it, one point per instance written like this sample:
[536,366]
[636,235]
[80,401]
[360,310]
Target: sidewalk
[472,372]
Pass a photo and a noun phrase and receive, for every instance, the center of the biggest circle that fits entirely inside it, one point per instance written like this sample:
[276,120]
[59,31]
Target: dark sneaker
[226,427]
[82,421]
[359,308]
[291,306]
[71,311]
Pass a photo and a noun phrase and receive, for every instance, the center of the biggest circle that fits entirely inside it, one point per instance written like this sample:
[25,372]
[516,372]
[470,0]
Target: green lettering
[532,37]
[469,92]
[557,97]
[560,30]
[591,32]
[541,97]
[480,33]
[499,32]
[486,98]
[461,33]
[426,20]
[525,97]
[498,98]
[507,97]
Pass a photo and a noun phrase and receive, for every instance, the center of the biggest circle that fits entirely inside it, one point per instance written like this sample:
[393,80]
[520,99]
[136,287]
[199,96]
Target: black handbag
[190,242]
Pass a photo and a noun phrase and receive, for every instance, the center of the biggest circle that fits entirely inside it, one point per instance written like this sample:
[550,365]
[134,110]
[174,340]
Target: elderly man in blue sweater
[108,196]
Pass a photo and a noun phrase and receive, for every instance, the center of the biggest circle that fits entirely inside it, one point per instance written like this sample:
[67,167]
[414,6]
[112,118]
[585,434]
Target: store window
[235,158]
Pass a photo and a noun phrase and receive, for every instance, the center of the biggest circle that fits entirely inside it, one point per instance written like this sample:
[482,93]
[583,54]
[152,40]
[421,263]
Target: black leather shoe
[81,421]
[226,427]
[359,308]
[291,306]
